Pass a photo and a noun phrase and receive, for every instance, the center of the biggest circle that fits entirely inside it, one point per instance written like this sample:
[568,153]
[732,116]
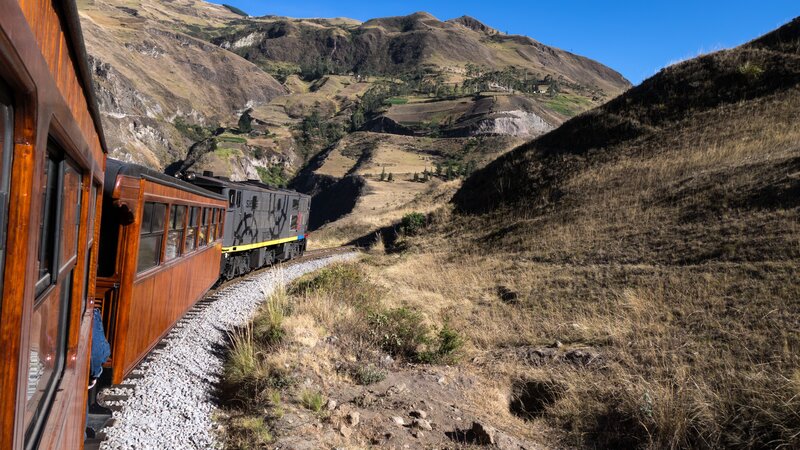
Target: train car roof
[75,41]
[218,182]
[116,167]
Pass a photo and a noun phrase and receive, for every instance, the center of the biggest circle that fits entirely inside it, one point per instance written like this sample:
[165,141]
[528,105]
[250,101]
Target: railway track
[124,391]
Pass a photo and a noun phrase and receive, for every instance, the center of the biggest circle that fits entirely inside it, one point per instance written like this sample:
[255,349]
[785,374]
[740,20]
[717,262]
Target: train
[165,241]
[80,232]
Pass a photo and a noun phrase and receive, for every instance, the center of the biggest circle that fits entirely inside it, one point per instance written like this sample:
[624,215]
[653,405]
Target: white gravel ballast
[172,405]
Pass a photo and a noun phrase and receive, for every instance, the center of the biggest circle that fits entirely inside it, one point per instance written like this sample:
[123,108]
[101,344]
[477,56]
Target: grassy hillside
[659,231]
[631,278]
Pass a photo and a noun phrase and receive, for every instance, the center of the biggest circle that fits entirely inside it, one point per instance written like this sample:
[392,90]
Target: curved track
[122,392]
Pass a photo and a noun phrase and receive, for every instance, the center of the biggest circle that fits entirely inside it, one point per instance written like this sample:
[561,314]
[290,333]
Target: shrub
[268,323]
[445,349]
[313,400]
[399,332]
[248,432]
[369,374]
[242,359]
[346,283]
[412,223]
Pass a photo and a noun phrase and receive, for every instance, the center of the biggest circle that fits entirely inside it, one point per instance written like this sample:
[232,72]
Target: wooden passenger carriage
[51,177]
[160,250]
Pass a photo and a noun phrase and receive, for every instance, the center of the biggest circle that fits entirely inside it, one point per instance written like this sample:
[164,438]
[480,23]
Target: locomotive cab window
[177,221]
[295,203]
[151,235]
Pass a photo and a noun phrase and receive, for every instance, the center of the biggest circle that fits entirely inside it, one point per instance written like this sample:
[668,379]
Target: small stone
[442,380]
[346,431]
[417,434]
[353,418]
[399,421]
[418,413]
[331,404]
[423,424]
[557,344]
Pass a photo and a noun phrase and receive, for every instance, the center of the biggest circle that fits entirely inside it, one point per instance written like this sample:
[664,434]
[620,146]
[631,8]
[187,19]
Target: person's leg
[101,349]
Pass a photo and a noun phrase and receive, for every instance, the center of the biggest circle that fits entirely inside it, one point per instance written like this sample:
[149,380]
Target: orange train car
[52,165]
[160,251]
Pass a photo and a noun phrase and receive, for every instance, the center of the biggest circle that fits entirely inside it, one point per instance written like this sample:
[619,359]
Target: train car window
[7,149]
[177,220]
[293,223]
[239,198]
[49,219]
[231,198]
[212,231]
[202,235]
[47,354]
[220,221]
[191,231]
[49,324]
[151,235]
[295,203]
[71,191]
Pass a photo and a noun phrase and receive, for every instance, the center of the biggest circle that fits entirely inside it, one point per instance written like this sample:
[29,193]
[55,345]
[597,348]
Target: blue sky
[636,38]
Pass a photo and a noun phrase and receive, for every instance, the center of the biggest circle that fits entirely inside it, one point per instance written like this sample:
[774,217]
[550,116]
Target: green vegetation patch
[397,100]
[230,138]
[236,10]
[568,105]
[193,132]
[273,176]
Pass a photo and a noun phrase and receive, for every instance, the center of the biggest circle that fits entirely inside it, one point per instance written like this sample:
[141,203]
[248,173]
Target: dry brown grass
[674,256]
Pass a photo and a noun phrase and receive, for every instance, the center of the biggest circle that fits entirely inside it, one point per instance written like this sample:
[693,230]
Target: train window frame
[175,229]
[202,228]
[212,230]
[220,221]
[48,292]
[94,194]
[6,160]
[295,204]
[191,230]
[49,221]
[152,230]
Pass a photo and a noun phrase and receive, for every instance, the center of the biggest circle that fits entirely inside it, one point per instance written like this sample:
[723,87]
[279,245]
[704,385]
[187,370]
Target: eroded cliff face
[158,88]
[514,123]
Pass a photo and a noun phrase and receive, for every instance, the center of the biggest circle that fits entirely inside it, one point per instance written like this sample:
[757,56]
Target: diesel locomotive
[262,224]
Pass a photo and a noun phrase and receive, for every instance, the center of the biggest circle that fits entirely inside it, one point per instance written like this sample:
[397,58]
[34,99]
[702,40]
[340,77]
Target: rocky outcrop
[514,123]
